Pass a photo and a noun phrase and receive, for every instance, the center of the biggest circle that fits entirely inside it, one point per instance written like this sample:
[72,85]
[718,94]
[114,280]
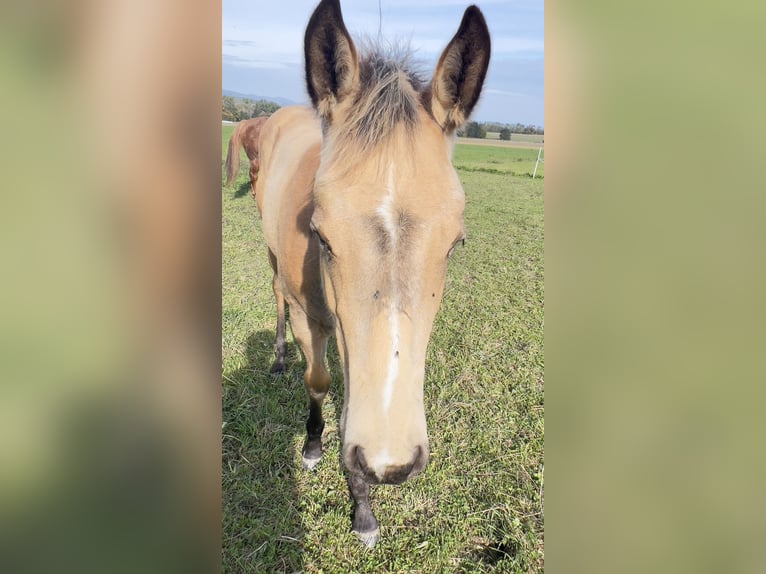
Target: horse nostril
[420,461]
[417,464]
[359,461]
[398,474]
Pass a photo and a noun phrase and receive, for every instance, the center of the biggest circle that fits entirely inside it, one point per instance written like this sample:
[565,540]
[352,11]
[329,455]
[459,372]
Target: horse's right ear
[332,72]
[459,75]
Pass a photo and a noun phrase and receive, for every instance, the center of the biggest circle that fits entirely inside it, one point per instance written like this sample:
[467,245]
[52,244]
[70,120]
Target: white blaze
[393,362]
[386,212]
[386,208]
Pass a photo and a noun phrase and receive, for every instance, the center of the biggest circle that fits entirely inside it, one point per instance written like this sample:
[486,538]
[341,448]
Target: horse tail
[232,155]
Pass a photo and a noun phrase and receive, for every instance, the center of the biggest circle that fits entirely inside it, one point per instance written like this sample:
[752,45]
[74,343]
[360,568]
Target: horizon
[288,102]
[262,51]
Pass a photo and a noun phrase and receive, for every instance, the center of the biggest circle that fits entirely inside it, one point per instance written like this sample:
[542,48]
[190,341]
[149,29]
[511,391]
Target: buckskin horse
[360,209]
[247,135]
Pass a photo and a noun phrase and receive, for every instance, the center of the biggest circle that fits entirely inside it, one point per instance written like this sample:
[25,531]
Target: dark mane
[388,95]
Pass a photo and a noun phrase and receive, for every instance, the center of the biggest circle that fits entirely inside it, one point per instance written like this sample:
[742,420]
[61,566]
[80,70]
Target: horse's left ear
[332,72]
[459,75]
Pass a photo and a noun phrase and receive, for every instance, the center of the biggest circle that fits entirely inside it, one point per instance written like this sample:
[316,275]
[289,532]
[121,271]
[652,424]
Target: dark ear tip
[332,5]
[325,8]
[473,11]
[473,20]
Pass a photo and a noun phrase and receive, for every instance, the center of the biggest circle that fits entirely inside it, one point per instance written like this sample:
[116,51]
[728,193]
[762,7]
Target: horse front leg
[280,342]
[312,339]
[363,522]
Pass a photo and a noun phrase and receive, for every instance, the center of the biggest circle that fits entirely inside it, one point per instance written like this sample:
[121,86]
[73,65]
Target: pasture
[496,157]
[478,506]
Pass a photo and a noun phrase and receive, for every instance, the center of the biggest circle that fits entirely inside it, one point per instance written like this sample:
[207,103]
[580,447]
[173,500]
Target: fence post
[540,151]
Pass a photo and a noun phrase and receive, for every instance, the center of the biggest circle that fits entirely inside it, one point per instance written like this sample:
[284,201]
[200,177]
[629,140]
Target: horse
[246,134]
[361,209]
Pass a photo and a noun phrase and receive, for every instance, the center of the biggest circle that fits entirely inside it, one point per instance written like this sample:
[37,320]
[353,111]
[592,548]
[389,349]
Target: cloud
[239,43]
[256,64]
[505,93]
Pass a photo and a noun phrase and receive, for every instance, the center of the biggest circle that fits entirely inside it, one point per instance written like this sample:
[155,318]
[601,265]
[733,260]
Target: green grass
[497,160]
[478,505]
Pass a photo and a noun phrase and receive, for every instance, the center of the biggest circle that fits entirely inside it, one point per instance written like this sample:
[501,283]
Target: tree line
[238,109]
[479,130]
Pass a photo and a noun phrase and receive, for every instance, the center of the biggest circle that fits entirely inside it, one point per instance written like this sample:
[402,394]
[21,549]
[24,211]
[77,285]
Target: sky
[262,51]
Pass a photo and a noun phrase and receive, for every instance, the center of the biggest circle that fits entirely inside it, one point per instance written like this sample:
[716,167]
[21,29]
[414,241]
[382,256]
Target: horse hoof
[310,463]
[368,538]
[277,369]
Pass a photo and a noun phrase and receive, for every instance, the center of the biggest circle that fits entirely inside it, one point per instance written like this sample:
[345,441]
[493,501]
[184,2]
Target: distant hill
[280,101]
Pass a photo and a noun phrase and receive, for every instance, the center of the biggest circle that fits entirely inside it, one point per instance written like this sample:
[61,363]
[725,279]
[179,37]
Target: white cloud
[505,93]
[256,64]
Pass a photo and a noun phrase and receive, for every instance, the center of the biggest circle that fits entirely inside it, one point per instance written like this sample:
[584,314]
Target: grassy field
[496,159]
[478,506]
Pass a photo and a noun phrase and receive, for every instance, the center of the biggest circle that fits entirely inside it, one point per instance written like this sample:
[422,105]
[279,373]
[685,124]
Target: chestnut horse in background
[361,208]
[246,134]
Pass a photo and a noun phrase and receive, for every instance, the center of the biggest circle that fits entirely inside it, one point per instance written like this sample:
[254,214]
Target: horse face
[388,209]
[385,230]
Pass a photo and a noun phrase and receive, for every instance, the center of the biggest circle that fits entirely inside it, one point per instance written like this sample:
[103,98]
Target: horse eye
[322,241]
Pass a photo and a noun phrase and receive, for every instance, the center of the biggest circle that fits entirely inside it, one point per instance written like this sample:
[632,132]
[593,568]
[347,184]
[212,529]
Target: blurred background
[110,286]
[654,241]
[110,289]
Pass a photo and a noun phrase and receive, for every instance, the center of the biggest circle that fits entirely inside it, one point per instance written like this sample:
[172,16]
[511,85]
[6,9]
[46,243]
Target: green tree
[263,108]
[505,134]
[475,130]
[229,109]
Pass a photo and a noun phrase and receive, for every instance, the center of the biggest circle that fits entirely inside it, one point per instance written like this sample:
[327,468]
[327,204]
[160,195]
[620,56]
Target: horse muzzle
[381,470]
